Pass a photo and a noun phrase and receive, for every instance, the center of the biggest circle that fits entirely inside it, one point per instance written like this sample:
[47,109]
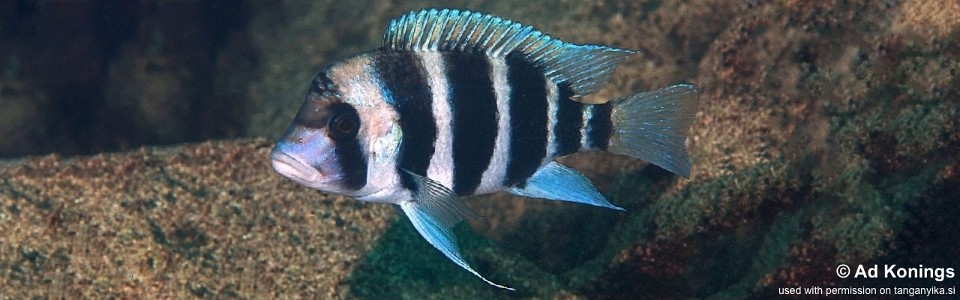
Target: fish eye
[344,125]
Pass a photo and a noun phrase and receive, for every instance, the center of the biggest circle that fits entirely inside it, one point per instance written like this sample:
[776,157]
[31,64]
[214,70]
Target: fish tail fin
[653,126]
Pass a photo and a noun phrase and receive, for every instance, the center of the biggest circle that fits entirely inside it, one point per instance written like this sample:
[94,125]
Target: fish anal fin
[434,211]
[556,182]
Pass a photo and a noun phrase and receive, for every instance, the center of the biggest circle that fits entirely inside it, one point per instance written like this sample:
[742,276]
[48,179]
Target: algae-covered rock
[207,220]
[827,135]
[213,220]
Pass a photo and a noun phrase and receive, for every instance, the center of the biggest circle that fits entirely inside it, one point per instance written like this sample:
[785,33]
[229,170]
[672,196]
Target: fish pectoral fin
[556,182]
[434,211]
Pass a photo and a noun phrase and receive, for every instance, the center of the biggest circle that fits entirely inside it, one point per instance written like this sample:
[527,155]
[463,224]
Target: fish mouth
[294,168]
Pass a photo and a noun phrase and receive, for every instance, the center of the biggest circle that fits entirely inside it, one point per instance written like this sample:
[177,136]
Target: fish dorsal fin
[584,67]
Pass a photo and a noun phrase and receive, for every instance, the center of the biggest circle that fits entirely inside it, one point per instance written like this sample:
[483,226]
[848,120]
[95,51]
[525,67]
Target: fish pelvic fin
[653,126]
[434,211]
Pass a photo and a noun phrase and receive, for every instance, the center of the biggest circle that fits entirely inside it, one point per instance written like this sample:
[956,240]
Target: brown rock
[202,220]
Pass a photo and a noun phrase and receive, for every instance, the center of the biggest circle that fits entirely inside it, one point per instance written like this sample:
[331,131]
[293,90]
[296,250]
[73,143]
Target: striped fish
[458,103]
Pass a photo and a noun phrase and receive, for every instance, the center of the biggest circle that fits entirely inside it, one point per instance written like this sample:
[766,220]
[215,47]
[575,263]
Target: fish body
[458,103]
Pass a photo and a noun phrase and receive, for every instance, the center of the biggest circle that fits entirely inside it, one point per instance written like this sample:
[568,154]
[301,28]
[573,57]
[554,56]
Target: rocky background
[827,134]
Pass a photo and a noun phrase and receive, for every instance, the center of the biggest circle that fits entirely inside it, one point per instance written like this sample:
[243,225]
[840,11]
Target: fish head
[307,153]
[339,140]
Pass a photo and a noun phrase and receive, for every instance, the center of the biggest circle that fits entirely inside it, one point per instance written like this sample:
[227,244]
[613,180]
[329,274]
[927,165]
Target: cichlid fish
[458,103]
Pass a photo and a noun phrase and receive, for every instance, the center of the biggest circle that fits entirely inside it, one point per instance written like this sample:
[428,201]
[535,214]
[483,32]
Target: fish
[457,103]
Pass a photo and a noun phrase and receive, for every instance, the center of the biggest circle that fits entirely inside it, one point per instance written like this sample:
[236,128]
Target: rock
[209,220]
[214,220]
[827,134]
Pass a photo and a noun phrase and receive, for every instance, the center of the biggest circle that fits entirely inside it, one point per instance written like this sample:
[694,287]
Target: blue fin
[434,211]
[653,126]
[584,67]
[556,182]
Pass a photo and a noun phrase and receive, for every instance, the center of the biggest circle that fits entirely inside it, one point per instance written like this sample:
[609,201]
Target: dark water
[81,77]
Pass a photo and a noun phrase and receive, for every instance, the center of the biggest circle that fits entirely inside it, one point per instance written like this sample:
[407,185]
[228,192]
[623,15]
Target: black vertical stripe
[474,106]
[599,126]
[528,119]
[569,120]
[349,154]
[353,164]
[407,88]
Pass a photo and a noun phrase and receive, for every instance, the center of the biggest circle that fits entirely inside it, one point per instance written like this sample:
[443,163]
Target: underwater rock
[827,134]
[215,220]
[209,220]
